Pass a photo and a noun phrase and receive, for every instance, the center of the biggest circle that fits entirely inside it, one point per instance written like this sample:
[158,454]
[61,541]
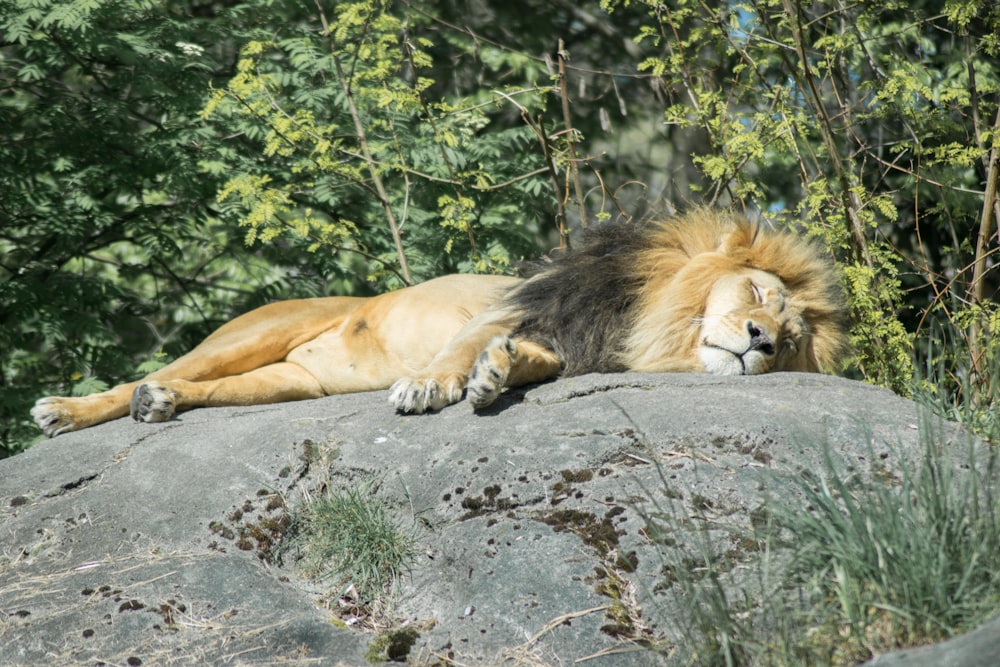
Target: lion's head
[751,325]
[724,296]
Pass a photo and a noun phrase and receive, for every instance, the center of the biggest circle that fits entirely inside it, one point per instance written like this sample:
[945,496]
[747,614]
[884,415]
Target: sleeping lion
[705,292]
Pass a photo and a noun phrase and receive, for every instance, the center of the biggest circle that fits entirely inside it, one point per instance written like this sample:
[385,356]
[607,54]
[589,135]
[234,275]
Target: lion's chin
[720,361]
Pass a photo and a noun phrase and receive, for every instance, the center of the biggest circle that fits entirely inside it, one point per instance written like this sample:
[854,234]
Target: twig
[562,55]
[849,198]
[547,628]
[359,128]
[409,49]
[986,224]
[543,138]
[543,141]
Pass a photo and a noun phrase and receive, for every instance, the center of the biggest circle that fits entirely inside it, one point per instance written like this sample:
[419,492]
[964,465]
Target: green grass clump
[846,566]
[901,564]
[352,536]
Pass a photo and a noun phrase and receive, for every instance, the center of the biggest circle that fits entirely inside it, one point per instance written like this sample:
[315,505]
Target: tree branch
[359,128]
[849,200]
[986,225]
[563,57]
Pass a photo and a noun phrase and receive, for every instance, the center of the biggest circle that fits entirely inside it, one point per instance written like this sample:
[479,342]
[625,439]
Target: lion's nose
[759,340]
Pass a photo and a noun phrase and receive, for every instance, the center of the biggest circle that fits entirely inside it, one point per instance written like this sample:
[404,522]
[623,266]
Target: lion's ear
[736,242]
[725,244]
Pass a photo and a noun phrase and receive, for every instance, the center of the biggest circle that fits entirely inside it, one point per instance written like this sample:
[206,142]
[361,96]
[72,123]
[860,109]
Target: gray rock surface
[978,648]
[140,544]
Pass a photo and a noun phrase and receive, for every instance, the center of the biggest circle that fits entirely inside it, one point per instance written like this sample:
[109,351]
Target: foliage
[962,398]
[903,559]
[113,247]
[351,537]
[358,158]
[872,121]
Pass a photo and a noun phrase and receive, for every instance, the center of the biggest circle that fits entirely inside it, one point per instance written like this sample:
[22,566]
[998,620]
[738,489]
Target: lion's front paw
[152,402]
[52,416]
[418,395]
[491,370]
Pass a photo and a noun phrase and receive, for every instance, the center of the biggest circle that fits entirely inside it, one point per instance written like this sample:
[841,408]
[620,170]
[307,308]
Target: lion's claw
[419,395]
[152,402]
[490,372]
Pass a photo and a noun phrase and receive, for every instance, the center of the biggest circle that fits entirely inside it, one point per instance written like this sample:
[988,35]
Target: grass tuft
[352,536]
[952,388]
[844,567]
[904,563]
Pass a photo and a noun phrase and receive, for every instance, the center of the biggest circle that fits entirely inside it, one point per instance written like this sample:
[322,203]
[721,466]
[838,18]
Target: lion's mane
[632,296]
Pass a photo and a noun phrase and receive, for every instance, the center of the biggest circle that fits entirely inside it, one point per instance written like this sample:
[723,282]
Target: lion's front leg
[507,362]
[502,362]
[424,394]
[442,382]
[490,373]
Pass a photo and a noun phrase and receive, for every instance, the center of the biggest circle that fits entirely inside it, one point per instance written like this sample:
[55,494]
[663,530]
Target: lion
[703,292]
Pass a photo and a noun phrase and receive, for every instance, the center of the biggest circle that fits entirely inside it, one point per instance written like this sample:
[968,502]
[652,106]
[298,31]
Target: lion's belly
[343,363]
[396,334]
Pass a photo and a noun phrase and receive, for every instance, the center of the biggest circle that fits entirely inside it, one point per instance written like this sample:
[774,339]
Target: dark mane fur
[580,305]
[631,297]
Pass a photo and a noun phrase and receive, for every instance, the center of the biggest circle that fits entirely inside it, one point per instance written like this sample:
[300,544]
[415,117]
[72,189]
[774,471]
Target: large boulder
[137,544]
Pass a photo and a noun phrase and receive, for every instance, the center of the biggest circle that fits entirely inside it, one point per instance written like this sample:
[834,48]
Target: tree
[864,121]
[115,247]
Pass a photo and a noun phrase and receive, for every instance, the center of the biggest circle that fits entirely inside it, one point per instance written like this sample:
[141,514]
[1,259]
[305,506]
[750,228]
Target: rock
[136,544]
[978,648]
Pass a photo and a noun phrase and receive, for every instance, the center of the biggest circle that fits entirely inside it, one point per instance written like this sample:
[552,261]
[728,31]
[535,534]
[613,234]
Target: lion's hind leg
[508,362]
[152,402]
[51,417]
[157,401]
[61,414]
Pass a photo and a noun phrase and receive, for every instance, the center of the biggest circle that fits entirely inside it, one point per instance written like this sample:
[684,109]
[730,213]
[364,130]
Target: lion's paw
[490,372]
[52,416]
[152,402]
[419,395]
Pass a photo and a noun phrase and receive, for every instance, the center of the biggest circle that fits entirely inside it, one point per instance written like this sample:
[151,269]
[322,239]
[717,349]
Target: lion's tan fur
[434,341]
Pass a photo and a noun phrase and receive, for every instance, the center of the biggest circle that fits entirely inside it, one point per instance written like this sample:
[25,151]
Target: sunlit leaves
[858,119]
[296,98]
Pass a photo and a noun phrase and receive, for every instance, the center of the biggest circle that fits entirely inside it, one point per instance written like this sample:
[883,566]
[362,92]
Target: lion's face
[711,300]
[751,326]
